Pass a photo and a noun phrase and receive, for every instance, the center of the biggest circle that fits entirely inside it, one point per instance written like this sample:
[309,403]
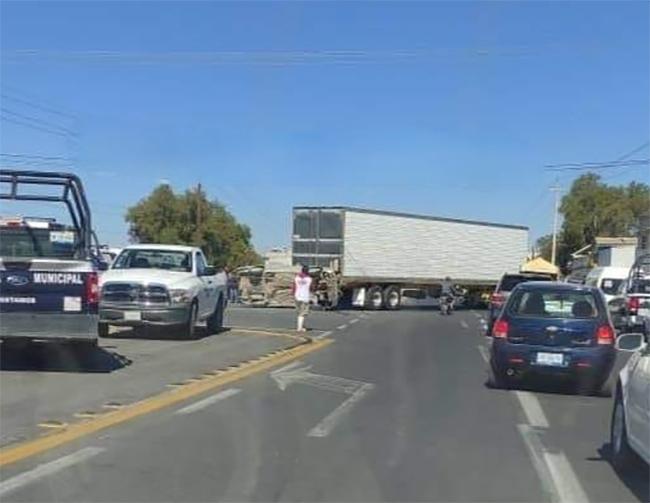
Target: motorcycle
[446,304]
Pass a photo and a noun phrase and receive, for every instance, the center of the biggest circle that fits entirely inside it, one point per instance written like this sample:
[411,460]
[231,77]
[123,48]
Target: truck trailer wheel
[392,298]
[375,300]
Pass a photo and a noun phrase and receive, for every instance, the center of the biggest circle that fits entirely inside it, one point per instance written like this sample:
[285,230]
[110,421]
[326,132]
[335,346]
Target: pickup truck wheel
[215,321]
[189,329]
[103,329]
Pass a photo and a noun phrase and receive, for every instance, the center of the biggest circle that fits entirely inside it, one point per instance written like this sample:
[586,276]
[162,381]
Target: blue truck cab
[48,270]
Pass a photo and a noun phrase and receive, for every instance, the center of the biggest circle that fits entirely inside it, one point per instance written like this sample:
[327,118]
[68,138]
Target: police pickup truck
[48,273]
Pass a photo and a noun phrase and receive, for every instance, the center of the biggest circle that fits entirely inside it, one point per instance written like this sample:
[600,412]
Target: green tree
[192,219]
[592,208]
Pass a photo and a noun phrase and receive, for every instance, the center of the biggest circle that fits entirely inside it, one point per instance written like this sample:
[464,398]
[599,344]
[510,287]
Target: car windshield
[508,283]
[610,286]
[154,259]
[553,304]
[30,242]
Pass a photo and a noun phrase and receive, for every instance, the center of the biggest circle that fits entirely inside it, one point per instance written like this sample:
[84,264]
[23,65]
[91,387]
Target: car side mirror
[102,266]
[630,342]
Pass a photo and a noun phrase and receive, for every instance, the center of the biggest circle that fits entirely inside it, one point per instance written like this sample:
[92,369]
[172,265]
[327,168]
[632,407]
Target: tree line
[593,208]
[190,218]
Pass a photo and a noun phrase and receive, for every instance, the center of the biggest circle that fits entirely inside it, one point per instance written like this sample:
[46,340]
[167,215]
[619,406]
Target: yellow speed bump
[67,433]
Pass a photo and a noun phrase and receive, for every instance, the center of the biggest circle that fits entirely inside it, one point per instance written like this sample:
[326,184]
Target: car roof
[155,246]
[555,285]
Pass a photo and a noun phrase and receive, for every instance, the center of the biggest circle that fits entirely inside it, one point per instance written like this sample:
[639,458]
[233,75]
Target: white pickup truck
[162,285]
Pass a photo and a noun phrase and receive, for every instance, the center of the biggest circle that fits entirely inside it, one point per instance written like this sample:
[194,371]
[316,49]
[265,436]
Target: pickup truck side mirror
[209,271]
[102,266]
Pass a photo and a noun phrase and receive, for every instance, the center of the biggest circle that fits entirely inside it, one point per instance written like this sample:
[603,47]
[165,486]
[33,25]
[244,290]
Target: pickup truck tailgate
[58,294]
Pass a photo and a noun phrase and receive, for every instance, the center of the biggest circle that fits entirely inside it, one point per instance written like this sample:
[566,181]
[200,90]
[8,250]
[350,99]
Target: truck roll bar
[72,195]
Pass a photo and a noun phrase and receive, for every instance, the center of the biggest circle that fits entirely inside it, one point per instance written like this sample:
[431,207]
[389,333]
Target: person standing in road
[302,293]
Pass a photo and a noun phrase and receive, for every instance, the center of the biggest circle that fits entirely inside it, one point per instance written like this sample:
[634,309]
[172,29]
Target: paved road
[396,409]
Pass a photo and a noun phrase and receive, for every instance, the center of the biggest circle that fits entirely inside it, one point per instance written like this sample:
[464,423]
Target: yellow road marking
[266,332]
[63,435]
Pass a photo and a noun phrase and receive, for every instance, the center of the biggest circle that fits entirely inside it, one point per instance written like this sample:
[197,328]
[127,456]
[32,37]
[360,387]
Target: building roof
[410,215]
[616,241]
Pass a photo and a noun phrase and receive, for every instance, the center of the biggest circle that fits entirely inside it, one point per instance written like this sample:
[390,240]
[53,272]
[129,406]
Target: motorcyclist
[447,293]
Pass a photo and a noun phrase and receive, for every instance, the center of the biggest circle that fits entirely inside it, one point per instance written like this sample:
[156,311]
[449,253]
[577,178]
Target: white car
[630,426]
[162,285]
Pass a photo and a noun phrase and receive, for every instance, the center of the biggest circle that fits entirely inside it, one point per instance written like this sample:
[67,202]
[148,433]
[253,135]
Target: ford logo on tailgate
[16,280]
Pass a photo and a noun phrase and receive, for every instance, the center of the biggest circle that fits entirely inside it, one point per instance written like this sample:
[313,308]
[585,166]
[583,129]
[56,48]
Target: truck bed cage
[72,195]
[641,267]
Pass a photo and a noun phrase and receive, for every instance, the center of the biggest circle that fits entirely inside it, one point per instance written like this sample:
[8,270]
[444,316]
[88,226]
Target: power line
[277,57]
[634,151]
[595,165]
[621,161]
[37,121]
[34,156]
[37,106]
[32,126]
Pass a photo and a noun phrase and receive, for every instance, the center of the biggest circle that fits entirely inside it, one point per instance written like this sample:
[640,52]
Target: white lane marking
[342,327]
[48,469]
[532,409]
[484,353]
[553,469]
[535,451]
[354,320]
[206,402]
[323,335]
[324,428]
[564,478]
[464,324]
[290,366]
[475,314]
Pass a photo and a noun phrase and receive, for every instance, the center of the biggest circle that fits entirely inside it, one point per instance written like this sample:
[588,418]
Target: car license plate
[551,359]
[132,316]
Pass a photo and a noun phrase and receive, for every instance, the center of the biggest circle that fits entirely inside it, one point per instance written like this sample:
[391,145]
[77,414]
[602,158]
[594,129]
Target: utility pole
[198,216]
[555,188]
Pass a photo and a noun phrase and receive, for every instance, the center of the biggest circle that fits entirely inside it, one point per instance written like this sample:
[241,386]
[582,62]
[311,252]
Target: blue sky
[449,109]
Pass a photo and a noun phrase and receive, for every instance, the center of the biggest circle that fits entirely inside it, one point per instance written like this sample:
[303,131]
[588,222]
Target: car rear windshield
[640,286]
[610,285]
[554,304]
[508,283]
[154,259]
[30,242]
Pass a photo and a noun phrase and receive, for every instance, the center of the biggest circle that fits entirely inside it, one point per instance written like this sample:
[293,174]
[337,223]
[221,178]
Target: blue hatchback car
[553,329]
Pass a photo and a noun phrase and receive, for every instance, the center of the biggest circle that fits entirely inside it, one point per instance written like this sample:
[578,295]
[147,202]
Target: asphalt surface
[395,410]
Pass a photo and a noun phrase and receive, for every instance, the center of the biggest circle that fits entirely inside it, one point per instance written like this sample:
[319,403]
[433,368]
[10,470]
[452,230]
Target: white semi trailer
[382,259]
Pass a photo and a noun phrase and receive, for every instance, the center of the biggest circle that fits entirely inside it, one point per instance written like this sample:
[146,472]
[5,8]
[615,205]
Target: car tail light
[633,304]
[497,299]
[500,329]
[92,288]
[605,335]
